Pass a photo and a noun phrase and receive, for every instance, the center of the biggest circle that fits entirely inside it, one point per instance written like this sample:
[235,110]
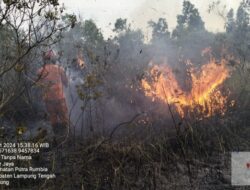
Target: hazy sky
[138,12]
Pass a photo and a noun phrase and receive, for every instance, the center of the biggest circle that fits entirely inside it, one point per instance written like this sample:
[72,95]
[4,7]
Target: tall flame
[80,60]
[204,94]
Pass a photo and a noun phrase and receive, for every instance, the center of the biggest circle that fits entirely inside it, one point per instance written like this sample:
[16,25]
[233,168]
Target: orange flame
[80,60]
[204,95]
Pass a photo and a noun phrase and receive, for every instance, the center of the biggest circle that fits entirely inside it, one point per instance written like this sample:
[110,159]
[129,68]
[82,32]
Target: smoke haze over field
[123,58]
[139,12]
[128,94]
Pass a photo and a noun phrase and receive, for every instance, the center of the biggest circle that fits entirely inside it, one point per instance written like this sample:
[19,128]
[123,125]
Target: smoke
[108,91]
[170,9]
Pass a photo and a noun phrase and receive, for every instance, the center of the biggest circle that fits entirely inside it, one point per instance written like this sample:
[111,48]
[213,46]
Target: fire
[80,60]
[204,96]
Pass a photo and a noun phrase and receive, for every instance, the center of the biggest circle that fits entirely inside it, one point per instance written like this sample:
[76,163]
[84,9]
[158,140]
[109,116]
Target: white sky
[138,12]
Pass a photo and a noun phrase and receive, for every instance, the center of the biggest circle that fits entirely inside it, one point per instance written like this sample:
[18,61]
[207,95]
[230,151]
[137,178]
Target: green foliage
[190,20]
[90,89]
[70,19]
[120,25]
[91,34]
[160,29]
[242,19]
[238,32]
[230,24]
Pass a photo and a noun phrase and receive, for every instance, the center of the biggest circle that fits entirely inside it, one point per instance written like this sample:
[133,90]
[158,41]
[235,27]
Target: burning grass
[205,94]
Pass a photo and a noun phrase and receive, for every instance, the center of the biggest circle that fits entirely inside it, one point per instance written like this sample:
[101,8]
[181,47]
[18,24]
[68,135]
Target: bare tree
[26,28]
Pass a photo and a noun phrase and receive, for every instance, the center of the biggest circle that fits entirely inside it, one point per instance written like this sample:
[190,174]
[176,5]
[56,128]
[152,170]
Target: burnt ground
[195,157]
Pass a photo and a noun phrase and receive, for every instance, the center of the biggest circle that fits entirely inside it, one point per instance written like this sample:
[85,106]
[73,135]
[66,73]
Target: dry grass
[199,158]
